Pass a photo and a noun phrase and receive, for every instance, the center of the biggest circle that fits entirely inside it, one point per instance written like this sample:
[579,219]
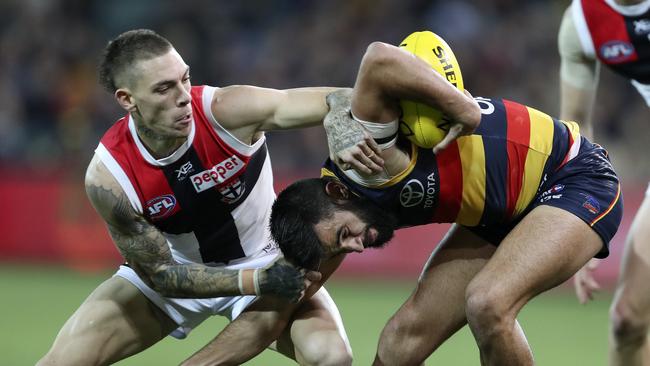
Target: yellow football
[423,125]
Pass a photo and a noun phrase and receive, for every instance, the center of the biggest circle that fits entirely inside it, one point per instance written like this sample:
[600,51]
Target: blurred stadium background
[54,250]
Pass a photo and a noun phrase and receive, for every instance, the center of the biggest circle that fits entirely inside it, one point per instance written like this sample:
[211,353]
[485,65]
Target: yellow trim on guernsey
[324,172]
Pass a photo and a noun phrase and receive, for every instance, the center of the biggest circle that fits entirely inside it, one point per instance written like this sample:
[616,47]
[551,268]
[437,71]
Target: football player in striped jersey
[531,201]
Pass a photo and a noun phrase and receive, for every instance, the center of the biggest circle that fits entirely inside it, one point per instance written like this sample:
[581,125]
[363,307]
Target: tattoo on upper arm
[138,240]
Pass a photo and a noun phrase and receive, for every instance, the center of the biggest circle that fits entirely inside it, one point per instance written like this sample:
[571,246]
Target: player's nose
[354,244]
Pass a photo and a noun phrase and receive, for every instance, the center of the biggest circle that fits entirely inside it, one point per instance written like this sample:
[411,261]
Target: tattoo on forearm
[146,250]
[342,130]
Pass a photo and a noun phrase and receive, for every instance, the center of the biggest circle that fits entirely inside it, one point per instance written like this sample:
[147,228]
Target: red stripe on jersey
[605,25]
[209,147]
[450,171]
[148,181]
[518,140]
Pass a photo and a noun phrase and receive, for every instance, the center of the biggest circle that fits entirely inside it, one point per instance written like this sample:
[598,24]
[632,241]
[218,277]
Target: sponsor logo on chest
[218,174]
[414,192]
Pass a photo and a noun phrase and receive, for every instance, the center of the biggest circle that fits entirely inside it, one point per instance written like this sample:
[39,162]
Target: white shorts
[189,313]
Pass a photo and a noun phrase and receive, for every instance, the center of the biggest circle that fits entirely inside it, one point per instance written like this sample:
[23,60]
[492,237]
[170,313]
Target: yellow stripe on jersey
[540,147]
[472,157]
[324,172]
[398,178]
[574,129]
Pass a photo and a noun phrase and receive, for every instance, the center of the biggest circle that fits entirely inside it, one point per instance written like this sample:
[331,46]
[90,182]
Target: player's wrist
[248,281]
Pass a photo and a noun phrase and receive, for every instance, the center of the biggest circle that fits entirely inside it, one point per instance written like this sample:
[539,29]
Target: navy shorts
[586,186]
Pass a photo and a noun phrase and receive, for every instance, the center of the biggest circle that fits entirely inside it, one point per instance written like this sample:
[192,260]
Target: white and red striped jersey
[211,198]
[618,36]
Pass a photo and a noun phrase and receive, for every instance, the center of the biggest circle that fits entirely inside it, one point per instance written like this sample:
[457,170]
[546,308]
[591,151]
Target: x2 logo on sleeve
[217,174]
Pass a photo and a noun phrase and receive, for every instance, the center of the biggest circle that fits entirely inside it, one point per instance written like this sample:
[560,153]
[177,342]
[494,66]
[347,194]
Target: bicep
[141,244]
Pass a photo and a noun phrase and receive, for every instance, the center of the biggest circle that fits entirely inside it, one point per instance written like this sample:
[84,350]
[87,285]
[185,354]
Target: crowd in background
[53,112]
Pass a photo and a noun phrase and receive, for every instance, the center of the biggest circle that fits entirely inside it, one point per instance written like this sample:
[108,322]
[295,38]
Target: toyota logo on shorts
[412,193]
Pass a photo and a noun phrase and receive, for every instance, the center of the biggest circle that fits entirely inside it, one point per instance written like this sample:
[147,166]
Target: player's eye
[344,234]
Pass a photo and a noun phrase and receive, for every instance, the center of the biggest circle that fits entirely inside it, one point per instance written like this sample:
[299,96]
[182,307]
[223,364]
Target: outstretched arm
[147,252]
[578,78]
[578,83]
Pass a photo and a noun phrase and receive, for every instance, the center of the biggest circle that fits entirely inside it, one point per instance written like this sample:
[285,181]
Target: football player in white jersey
[161,290]
[585,42]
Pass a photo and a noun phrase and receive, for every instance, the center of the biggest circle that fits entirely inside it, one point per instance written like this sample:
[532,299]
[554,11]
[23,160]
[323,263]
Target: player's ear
[125,99]
[337,190]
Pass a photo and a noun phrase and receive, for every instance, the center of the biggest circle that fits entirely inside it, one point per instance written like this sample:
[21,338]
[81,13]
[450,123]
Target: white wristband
[385,134]
[240,281]
[256,281]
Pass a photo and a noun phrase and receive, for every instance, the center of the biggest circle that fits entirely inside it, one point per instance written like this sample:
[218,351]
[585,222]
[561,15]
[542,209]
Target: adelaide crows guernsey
[618,36]
[487,178]
[211,198]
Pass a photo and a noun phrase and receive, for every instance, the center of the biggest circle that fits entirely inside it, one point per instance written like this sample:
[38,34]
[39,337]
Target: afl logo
[412,193]
[616,51]
[161,206]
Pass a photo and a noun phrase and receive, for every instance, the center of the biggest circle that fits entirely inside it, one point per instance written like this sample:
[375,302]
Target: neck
[159,146]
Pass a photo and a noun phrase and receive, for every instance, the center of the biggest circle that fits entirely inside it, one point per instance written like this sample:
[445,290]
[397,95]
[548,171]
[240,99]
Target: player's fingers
[373,145]
[376,162]
[453,133]
[580,292]
[592,284]
[363,164]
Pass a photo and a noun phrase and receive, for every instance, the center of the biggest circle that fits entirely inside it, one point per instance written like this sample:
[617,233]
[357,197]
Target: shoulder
[568,38]
[103,190]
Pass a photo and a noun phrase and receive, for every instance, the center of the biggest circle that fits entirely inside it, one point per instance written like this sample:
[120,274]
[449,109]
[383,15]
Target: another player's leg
[630,311]
[545,249]
[315,335]
[114,322]
[310,332]
[435,310]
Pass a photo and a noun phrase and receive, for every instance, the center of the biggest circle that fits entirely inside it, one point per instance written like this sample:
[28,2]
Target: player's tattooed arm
[350,144]
[146,250]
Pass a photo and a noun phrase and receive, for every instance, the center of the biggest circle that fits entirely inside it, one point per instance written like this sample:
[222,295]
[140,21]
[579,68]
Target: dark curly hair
[294,215]
[129,47]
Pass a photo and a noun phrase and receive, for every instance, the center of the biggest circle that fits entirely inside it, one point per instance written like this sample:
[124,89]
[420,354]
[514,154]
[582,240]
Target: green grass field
[36,301]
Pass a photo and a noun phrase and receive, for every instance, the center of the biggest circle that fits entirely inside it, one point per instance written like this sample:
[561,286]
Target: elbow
[379,54]
[155,278]
[379,59]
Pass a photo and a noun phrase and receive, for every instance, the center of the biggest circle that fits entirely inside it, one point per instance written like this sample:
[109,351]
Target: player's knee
[404,334]
[57,357]
[329,351]
[486,311]
[627,326]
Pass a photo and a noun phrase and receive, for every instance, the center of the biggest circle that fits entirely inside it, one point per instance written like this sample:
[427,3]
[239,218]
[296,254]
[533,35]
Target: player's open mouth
[185,119]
